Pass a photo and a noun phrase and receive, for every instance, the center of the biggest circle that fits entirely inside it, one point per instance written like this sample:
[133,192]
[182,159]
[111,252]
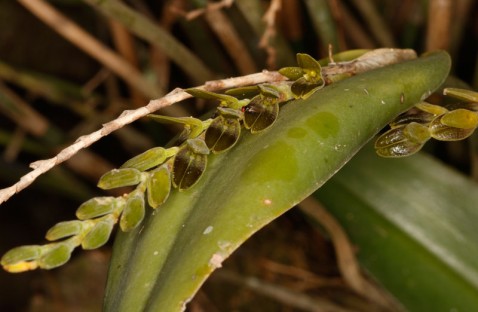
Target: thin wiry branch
[127,117]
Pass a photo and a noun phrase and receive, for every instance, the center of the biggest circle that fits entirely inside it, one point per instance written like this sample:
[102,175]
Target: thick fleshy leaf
[413,221]
[431,108]
[224,99]
[303,89]
[263,176]
[460,118]
[133,212]
[149,159]
[222,134]
[402,141]
[192,126]
[22,253]
[119,178]
[420,117]
[58,255]
[64,229]
[258,117]
[462,94]
[99,234]
[97,207]
[159,186]
[442,132]
[293,73]
[189,164]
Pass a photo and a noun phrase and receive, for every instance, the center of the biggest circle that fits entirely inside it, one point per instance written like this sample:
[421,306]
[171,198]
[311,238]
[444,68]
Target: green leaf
[442,132]
[22,253]
[97,207]
[413,221]
[119,178]
[149,159]
[58,255]
[162,266]
[64,229]
[159,186]
[462,94]
[99,234]
[133,212]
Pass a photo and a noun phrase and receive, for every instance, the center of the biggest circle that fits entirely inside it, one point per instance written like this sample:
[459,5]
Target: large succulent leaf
[414,223]
[159,266]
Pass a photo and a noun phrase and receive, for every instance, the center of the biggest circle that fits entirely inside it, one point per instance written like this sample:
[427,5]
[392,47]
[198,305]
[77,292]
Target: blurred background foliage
[67,66]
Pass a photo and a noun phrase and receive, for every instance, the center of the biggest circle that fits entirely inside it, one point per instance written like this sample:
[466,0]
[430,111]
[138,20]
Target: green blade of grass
[414,223]
[161,265]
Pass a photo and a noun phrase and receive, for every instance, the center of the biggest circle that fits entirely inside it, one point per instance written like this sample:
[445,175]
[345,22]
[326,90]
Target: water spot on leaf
[324,124]
[269,172]
[296,133]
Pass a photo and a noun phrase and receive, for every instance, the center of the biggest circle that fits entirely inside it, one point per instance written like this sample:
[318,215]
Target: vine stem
[42,166]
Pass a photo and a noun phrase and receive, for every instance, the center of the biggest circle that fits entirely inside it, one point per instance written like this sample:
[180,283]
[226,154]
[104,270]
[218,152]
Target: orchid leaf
[161,265]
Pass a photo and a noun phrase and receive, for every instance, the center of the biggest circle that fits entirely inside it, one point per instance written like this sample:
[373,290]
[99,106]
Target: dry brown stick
[211,6]
[281,294]
[231,41]
[269,19]
[124,43]
[76,35]
[15,108]
[439,25]
[128,117]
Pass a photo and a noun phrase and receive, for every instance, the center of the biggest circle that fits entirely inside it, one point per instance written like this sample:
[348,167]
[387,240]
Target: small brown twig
[269,19]
[211,6]
[77,36]
[281,294]
[127,117]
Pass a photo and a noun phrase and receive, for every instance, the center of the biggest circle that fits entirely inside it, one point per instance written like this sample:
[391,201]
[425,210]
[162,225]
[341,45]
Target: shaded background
[52,91]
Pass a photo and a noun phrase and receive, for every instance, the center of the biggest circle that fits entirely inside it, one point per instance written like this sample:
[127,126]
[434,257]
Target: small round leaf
[64,229]
[20,254]
[99,234]
[133,212]
[159,186]
[97,207]
[222,134]
[442,132]
[119,178]
[188,167]
[258,117]
[58,255]
[147,160]
[460,118]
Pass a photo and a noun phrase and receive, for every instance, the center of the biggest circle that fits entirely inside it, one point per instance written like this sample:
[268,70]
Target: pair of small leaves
[189,164]
[403,140]
[30,257]
[409,132]
[307,76]
[224,131]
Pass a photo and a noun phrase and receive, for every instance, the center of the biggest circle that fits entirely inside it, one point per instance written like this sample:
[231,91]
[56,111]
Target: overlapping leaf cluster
[154,172]
[409,132]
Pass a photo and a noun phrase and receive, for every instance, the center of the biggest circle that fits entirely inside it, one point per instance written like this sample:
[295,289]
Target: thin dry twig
[269,19]
[346,259]
[21,112]
[76,35]
[231,41]
[281,294]
[128,117]
[211,6]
